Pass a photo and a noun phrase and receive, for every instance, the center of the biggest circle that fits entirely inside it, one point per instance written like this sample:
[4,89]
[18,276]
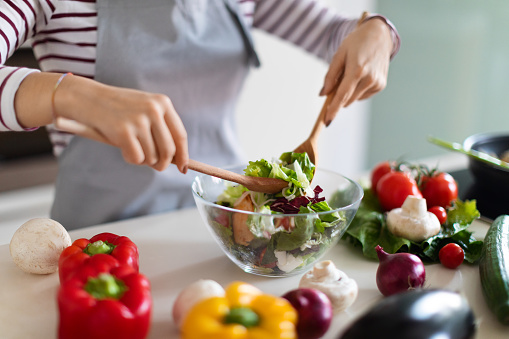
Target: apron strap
[246,37]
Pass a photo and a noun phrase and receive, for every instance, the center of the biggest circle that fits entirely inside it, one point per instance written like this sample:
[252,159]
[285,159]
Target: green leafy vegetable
[302,236]
[369,229]
[296,168]
[259,168]
[230,195]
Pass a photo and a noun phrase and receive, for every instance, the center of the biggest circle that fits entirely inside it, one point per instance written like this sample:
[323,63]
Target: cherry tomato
[439,190]
[451,255]
[378,172]
[440,212]
[393,189]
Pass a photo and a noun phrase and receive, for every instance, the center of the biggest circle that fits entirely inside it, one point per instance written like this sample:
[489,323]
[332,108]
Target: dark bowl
[489,176]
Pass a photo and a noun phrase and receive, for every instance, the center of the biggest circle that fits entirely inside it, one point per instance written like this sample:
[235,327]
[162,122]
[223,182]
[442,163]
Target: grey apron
[197,52]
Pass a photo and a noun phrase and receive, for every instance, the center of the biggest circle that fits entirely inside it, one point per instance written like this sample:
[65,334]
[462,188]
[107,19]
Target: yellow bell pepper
[245,312]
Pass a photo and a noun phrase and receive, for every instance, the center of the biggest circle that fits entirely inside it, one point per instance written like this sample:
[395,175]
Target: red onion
[398,272]
[314,309]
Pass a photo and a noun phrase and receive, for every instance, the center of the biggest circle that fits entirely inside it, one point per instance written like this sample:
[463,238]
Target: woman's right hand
[145,126]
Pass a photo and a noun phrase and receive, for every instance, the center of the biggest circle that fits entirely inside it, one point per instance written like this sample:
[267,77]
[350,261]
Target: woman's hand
[145,126]
[360,66]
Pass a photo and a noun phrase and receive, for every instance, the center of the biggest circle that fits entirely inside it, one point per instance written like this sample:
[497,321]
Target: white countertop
[176,249]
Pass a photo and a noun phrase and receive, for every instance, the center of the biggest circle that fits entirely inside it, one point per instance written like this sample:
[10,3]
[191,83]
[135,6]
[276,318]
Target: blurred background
[448,80]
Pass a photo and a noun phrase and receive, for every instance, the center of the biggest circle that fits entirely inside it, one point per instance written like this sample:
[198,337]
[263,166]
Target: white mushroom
[36,245]
[192,294]
[413,221]
[324,276]
[286,262]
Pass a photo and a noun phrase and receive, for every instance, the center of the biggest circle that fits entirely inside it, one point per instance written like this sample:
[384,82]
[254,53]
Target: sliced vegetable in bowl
[278,234]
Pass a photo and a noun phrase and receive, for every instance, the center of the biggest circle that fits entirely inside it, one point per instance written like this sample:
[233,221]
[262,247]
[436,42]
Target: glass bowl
[277,245]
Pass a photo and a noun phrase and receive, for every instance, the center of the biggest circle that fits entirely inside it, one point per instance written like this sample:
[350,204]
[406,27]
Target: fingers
[356,83]
[179,137]
[148,140]
[165,146]
[334,74]
[359,68]
[132,151]
[165,139]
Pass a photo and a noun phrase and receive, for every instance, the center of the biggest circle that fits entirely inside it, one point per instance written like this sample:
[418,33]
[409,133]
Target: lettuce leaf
[307,167]
[369,229]
[296,168]
[259,168]
[230,195]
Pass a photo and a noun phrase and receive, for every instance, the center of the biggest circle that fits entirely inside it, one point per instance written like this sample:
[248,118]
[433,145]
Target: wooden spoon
[310,145]
[256,184]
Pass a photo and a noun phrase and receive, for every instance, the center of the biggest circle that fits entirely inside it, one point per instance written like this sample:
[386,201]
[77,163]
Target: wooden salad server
[256,184]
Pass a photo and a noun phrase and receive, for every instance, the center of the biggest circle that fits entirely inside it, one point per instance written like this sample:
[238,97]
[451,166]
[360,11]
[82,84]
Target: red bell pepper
[115,303]
[119,247]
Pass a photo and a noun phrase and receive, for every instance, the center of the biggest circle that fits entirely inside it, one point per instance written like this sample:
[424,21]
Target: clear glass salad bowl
[278,244]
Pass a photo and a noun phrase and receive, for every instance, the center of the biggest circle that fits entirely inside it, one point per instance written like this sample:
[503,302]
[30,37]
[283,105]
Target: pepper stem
[105,286]
[99,247]
[243,316]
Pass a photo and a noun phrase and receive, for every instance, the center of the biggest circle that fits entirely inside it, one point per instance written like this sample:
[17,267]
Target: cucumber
[494,268]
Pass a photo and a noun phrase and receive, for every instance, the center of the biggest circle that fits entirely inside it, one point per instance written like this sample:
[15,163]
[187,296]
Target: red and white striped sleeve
[309,24]
[18,21]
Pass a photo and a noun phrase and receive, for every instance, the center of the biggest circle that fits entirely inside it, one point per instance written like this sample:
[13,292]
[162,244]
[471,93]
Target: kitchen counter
[176,249]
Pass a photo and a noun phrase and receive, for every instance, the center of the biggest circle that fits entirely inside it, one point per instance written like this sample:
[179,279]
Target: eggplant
[416,314]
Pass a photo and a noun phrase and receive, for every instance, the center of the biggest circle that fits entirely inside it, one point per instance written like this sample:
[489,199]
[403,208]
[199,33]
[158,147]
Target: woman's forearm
[32,102]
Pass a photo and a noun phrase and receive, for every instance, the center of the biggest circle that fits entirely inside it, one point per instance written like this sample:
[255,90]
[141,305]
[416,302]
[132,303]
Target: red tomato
[223,219]
[451,255]
[393,189]
[439,190]
[440,212]
[378,172]
[287,223]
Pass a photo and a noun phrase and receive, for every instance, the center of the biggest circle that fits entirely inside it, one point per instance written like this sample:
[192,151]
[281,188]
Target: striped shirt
[63,35]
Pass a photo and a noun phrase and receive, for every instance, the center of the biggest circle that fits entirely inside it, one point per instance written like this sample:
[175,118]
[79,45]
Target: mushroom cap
[412,226]
[327,278]
[36,245]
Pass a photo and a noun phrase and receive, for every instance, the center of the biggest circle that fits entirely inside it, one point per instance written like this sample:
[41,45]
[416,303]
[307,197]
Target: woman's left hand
[359,67]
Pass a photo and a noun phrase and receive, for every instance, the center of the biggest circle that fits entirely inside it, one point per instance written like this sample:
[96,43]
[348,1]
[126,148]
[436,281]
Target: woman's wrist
[384,22]
[53,94]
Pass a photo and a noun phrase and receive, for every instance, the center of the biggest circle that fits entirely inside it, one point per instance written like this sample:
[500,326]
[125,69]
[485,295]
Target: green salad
[287,230]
